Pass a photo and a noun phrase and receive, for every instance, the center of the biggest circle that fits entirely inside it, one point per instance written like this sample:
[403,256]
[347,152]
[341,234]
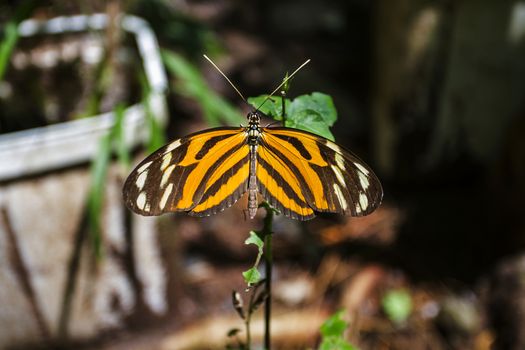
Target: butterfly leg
[252,183]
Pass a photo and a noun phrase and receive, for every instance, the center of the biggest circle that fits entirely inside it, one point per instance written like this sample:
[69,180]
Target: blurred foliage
[103,82]
[397,304]
[7,45]
[156,132]
[332,333]
[190,83]
[99,169]
[115,139]
[123,153]
[174,29]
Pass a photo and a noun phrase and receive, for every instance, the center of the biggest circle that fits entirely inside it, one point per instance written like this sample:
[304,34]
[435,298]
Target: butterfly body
[295,171]
[254,134]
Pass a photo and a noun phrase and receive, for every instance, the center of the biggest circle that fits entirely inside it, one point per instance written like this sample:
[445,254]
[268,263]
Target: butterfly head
[254,118]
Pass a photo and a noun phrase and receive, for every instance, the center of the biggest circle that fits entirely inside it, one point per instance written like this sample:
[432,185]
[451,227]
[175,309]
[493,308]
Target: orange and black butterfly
[296,172]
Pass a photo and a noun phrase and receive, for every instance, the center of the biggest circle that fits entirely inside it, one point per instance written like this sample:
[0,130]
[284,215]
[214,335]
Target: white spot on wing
[165,196]
[143,167]
[363,179]
[334,147]
[339,175]
[340,161]
[141,200]
[141,180]
[173,145]
[361,168]
[340,196]
[166,160]
[363,200]
[166,175]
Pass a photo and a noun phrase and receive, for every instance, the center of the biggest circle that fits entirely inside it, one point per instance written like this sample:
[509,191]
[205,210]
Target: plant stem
[248,333]
[247,321]
[268,264]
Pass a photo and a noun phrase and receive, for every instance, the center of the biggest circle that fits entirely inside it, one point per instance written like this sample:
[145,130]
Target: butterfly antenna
[225,77]
[284,82]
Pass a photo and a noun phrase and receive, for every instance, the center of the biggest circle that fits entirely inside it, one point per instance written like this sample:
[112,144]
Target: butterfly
[295,171]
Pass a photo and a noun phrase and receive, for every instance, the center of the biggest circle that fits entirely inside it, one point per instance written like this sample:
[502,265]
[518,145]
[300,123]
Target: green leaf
[251,276]
[334,326]
[315,113]
[273,107]
[7,45]
[397,304]
[254,239]
[332,331]
[312,121]
[318,102]
[335,343]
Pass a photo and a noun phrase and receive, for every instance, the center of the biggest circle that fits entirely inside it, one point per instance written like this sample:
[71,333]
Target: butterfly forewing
[228,181]
[316,174]
[202,173]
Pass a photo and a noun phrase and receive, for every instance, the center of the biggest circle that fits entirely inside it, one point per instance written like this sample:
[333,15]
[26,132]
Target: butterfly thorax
[253,128]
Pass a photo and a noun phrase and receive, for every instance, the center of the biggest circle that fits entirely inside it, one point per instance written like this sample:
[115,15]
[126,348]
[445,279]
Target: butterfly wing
[300,173]
[202,174]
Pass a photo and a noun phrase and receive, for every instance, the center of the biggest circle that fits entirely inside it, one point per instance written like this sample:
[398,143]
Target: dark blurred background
[431,94]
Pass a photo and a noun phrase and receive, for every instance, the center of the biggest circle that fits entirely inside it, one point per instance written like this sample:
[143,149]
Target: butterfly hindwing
[317,175]
[202,173]
[281,183]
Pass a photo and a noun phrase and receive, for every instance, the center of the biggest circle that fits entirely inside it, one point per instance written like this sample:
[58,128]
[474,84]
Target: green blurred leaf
[99,168]
[336,343]
[335,325]
[191,84]
[332,332]
[7,45]
[122,148]
[397,304]
[177,28]
[156,134]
